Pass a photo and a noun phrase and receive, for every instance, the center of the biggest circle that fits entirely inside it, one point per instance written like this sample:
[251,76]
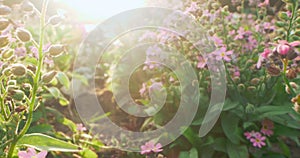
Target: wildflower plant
[27,79]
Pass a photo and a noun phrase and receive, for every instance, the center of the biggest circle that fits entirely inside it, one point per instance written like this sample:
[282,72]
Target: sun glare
[93,10]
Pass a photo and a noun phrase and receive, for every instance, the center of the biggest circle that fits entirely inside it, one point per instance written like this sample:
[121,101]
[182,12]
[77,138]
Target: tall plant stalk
[35,83]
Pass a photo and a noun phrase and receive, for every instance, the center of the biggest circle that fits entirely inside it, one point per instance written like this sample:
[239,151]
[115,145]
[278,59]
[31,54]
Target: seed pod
[241,87]
[273,70]
[31,68]
[55,20]
[4,10]
[18,69]
[3,24]
[3,41]
[6,71]
[292,54]
[23,35]
[296,99]
[11,88]
[7,54]
[20,108]
[251,89]
[12,82]
[48,77]
[296,107]
[291,74]
[18,95]
[236,79]
[12,2]
[255,81]
[27,6]
[27,87]
[56,50]
[293,85]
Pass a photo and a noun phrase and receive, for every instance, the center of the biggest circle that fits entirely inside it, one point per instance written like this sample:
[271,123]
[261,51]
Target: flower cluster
[150,147]
[258,138]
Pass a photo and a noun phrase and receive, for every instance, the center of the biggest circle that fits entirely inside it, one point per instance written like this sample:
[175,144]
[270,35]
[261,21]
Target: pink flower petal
[294,44]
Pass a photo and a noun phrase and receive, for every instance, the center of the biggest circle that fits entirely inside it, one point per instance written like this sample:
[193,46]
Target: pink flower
[31,153]
[193,7]
[202,61]
[223,54]
[264,4]
[143,89]
[284,47]
[151,147]
[263,56]
[218,41]
[80,127]
[241,33]
[236,72]
[267,127]
[252,134]
[258,141]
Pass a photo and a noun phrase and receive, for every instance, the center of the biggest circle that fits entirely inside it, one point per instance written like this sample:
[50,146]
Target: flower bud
[6,72]
[250,108]
[10,89]
[236,79]
[12,82]
[7,54]
[273,70]
[293,85]
[48,77]
[56,50]
[3,24]
[27,6]
[215,5]
[23,35]
[18,69]
[296,99]
[296,107]
[4,10]
[31,68]
[55,20]
[18,95]
[255,81]
[251,89]
[241,87]
[291,74]
[3,41]
[27,87]
[20,108]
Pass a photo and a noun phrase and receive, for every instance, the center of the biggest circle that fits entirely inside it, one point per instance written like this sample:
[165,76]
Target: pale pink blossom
[31,153]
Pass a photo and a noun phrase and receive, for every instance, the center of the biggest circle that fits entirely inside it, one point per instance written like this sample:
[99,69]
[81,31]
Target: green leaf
[69,123]
[54,92]
[192,136]
[63,79]
[40,128]
[268,111]
[220,144]
[63,101]
[193,153]
[229,124]
[87,153]
[228,105]
[284,148]
[184,154]
[236,151]
[45,142]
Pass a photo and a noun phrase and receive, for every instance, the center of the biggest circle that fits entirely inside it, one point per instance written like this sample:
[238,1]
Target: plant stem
[36,81]
[294,9]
